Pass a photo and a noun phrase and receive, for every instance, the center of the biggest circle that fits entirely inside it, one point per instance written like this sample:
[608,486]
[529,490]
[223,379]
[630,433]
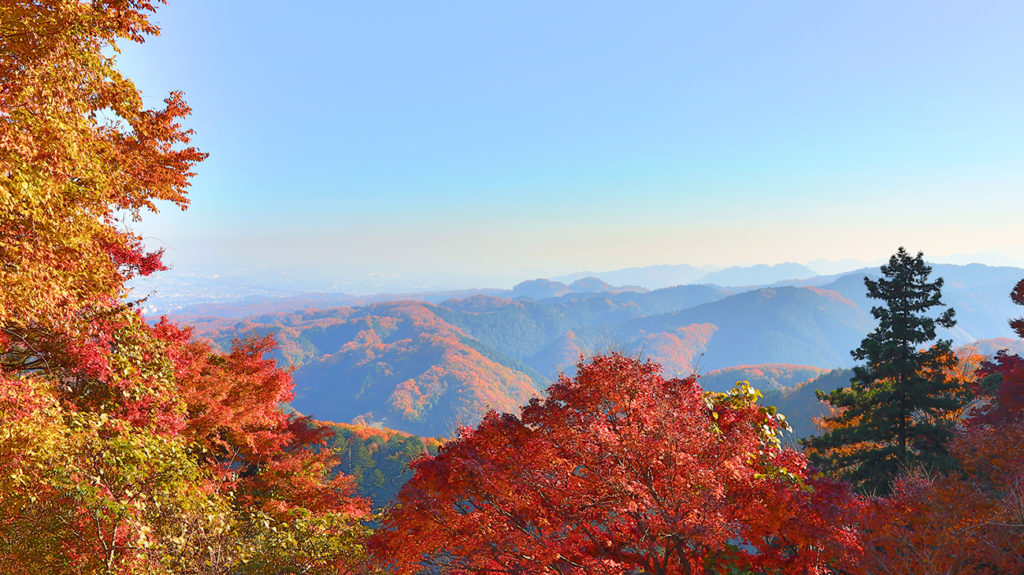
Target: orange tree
[619,470]
[124,447]
[79,152]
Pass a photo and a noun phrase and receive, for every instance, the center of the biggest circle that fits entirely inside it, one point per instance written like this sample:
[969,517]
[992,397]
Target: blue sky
[533,138]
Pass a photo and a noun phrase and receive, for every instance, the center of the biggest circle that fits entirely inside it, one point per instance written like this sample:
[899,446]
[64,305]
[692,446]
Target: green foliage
[900,408]
[378,459]
[326,544]
[86,492]
[800,402]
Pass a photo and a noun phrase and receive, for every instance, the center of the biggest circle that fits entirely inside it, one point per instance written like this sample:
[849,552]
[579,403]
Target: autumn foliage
[237,428]
[79,155]
[125,447]
[619,470]
[394,364]
[129,447]
[971,519]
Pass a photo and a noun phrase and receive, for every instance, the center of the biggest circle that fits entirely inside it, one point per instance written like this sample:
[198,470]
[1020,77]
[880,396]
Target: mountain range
[428,365]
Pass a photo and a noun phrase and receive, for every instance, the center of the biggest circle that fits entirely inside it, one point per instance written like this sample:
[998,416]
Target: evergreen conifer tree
[900,408]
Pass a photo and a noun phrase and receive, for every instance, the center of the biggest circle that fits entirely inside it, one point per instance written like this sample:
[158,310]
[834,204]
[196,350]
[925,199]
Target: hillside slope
[796,325]
[395,365]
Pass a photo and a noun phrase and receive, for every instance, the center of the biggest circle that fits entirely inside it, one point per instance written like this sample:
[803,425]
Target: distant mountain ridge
[650,277]
[661,276]
[758,275]
[978,293]
[765,376]
[427,366]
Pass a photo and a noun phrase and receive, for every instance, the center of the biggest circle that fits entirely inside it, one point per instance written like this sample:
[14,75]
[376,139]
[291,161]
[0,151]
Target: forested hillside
[425,368]
[765,377]
[397,365]
[378,459]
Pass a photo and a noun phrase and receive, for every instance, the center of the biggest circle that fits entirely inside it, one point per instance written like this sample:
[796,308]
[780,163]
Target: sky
[525,139]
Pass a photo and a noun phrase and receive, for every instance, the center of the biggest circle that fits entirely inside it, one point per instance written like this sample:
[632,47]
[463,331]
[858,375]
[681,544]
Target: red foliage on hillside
[396,364]
[679,350]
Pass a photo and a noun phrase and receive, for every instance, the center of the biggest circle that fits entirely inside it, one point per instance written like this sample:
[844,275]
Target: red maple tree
[619,470]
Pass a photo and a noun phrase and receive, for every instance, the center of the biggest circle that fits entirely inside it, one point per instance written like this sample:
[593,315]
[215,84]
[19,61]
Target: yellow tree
[104,463]
[78,151]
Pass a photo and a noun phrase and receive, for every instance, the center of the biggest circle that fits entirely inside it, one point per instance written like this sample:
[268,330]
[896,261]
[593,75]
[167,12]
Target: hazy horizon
[534,140]
[178,288]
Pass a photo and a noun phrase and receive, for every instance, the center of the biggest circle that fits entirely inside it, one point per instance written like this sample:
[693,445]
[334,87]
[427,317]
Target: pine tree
[900,407]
